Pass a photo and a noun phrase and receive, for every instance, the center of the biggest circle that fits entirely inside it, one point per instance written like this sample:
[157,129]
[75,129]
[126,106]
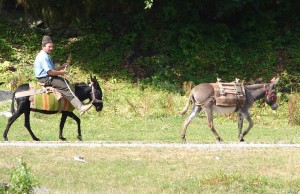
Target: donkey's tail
[190,100]
[12,107]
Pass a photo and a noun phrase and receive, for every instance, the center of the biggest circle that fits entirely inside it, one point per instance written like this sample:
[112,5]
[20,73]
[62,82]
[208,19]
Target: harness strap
[30,92]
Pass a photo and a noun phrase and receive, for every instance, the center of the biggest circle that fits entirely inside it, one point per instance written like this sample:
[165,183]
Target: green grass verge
[157,170]
[134,114]
[106,127]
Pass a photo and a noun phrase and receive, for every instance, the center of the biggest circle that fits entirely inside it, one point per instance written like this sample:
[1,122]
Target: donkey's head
[96,94]
[271,96]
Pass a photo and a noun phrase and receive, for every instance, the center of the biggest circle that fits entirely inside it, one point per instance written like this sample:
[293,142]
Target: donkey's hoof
[183,140]
[242,140]
[6,139]
[219,139]
[79,137]
[62,138]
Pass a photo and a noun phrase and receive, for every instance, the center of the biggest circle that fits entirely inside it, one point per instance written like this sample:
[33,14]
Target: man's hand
[65,65]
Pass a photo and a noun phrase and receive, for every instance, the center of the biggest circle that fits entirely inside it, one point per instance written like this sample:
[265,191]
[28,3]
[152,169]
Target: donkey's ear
[274,80]
[91,77]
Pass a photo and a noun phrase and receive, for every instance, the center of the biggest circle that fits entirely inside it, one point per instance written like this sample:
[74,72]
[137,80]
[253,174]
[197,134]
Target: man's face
[48,48]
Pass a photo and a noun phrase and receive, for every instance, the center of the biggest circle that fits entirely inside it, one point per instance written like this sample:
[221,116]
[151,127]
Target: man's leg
[60,84]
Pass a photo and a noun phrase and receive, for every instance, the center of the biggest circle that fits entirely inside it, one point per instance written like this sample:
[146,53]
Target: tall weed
[20,181]
[294,109]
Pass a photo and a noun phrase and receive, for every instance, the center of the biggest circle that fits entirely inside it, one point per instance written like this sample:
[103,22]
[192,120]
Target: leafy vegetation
[164,45]
[20,181]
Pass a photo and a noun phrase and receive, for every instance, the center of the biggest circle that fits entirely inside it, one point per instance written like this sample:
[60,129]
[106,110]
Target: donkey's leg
[209,114]
[250,125]
[73,116]
[240,124]
[11,120]
[61,125]
[193,114]
[27,125]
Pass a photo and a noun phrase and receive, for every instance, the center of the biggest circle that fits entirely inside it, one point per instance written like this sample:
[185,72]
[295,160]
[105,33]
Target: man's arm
[58,70]
[56,73]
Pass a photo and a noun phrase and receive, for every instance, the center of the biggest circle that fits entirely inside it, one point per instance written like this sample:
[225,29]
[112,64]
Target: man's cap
[46,40]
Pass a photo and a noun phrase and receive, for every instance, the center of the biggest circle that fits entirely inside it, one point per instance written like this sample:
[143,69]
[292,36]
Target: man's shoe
[84,108]
[79,106]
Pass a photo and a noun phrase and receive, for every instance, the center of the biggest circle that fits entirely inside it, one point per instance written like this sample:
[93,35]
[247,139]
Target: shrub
[294,109]
[21,181]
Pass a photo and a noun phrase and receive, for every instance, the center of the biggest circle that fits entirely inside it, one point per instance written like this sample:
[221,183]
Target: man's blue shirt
[42,64]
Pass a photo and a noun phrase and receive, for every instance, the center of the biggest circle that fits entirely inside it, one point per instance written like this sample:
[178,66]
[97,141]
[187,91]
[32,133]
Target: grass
[157,170]
[150,129]
[131,114]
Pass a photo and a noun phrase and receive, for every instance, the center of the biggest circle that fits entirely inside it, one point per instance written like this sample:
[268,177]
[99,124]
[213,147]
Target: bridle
[270,96]
[94,99]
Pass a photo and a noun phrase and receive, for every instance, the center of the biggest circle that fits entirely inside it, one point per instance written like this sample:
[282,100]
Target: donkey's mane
[254,86]
[81,85]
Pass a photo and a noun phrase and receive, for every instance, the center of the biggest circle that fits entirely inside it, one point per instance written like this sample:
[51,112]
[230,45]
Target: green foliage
[166,45]
[290,82]
[148,4]
[4,48]
[17,47]
[21,181]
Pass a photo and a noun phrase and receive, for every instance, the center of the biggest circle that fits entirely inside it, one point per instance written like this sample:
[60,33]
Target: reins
[270,97]
[94,99]
[69,85]
[268,94]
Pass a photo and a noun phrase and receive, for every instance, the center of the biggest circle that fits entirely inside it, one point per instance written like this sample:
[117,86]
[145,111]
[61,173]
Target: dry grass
[151,170]
[294,109]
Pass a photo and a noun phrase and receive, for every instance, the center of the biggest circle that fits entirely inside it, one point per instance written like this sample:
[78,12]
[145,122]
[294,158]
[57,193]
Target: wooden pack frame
[229,94]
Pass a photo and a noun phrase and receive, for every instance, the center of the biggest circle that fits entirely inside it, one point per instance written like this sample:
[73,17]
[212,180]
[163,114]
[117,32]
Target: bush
[21,182]
[294,109]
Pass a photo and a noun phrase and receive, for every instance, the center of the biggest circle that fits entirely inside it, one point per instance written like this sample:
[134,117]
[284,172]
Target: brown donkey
[203,96]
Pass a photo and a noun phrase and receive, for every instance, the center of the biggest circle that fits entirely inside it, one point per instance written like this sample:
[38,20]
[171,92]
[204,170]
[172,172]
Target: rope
[69,86]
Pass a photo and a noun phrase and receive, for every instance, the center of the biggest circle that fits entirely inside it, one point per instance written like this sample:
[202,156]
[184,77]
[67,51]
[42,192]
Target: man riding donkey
[48,74]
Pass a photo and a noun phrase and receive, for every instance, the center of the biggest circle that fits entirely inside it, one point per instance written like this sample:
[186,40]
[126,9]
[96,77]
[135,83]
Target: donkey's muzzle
[99,107]
[274,106]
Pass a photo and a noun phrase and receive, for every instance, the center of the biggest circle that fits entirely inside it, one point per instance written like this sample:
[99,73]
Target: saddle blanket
[45,98]
[48,102]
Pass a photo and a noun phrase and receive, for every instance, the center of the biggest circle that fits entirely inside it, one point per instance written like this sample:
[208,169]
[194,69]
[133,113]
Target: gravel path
[145,145]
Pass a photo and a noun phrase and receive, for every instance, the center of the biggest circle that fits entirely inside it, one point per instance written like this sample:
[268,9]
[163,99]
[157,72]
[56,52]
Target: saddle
[229,94]
[46,98]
